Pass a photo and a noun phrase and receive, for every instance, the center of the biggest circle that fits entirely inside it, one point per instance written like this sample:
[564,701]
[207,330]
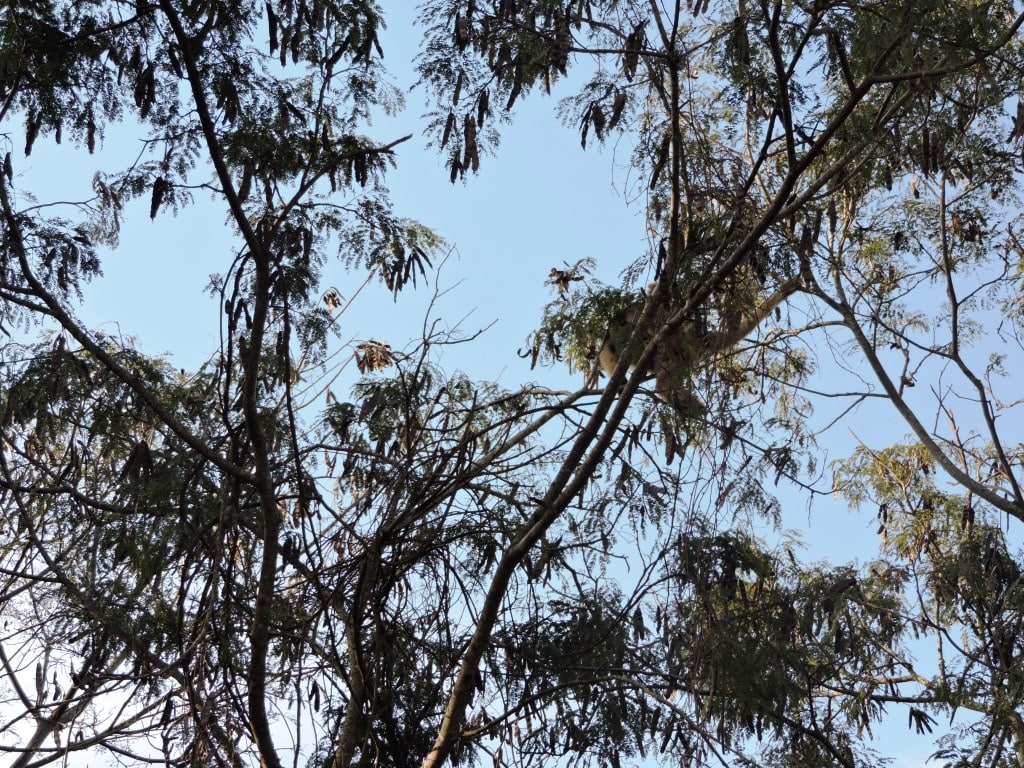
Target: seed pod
[272,24]
[31,131]
[483,107]
[307,243]
[618,105]
[286,38]
[563,45]
[631,56]
[462,30]
[597,117]
[469,133]
[484,34]
[449,124]
[517,87]
[458,89]
[159,189]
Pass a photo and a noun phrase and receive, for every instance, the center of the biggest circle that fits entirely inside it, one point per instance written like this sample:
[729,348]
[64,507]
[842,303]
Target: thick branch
[259,637]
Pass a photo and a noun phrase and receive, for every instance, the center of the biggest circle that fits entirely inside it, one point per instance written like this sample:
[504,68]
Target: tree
[235,565]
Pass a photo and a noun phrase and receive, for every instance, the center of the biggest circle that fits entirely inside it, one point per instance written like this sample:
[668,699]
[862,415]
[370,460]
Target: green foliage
[430,568]
[578,323]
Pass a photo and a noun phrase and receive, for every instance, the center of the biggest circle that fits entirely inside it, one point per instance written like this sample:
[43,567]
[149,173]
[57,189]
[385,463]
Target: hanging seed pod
[286,38]
[272,26]
[469,134]
[159,190]
[145,89]
[31,131]
[462,32]
[517,87]
[563,45]
[307,244]
[631,56]
[246,186]
[618,105]
[483,107]
[448,126]
[1018,122]
[458,89]
[139,91]
[150,95]
[597,117]
[281,346]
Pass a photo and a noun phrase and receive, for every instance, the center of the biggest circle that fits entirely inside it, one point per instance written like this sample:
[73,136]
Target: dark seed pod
[462,30]
[448,126]
[483,107]
[31,131]
[597,117]
[160,187]
[617,107]
[272,23]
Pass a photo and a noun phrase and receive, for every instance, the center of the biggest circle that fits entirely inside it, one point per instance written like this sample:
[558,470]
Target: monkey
[616,337]
[679,354]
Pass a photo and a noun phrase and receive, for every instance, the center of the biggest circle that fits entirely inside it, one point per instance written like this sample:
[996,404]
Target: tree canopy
[271,560]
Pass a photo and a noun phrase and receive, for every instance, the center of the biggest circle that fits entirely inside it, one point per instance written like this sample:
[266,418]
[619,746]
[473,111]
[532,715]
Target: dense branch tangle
[746,153]
[430,567]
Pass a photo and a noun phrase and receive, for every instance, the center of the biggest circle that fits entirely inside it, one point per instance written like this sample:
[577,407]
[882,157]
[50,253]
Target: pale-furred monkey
[681,352]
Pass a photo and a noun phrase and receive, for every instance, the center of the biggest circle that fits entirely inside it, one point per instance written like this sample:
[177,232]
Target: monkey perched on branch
[682,351]
[590,329]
